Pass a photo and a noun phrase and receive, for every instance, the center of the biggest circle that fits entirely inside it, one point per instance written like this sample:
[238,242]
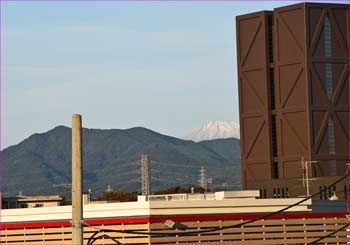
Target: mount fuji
[214,130]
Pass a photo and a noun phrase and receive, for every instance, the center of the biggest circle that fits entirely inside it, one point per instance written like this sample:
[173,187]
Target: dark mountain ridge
[41,164]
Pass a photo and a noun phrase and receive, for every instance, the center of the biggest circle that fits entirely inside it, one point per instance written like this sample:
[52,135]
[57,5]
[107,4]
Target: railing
[271,231]
[181,197]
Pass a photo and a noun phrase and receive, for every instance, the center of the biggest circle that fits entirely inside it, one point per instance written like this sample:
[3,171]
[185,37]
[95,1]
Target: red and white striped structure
[301,224]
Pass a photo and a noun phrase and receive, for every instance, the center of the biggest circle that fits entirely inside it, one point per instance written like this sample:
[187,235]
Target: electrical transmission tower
[145,174]
[203,179]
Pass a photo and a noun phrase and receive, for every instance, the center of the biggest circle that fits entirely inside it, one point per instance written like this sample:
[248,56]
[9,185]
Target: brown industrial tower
[293,71]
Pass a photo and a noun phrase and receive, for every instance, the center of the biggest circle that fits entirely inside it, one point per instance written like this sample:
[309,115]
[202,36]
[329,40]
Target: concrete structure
[187,212]
[293,70]
[31,201]
[77,183]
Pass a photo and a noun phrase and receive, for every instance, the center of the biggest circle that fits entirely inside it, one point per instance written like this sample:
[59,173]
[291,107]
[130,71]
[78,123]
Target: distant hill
[214,130]
[41,164]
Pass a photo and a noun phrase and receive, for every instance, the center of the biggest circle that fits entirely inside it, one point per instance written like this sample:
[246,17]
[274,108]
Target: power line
[94,238]
[165,234]
[172,164]
[128,164]
[128,172]
[166,180]
[330,234]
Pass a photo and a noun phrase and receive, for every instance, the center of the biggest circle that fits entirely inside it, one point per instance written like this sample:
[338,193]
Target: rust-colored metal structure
[293,71]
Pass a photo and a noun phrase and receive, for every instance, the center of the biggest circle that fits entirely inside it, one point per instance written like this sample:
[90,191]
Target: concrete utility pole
[145,175]
[77,203]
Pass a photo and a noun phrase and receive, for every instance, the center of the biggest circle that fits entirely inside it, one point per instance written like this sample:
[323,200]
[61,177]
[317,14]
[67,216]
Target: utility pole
[306,165]
[145,174]
[77,203]
[203,179]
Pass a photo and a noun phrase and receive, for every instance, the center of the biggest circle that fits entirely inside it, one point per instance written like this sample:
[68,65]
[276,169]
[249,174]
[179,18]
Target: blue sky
[166,66]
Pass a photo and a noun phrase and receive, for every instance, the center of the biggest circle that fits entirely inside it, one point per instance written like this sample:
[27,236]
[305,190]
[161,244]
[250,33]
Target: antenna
[306,165]
[145,174]
[109,189]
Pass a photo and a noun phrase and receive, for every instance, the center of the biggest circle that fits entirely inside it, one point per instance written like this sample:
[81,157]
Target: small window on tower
[345,192]
[275,169]
[274,135]
[270,37]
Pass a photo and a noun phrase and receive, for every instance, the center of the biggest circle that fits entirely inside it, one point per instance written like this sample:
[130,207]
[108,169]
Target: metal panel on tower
[254,95]
[293,70]
[328,45]
[291,89]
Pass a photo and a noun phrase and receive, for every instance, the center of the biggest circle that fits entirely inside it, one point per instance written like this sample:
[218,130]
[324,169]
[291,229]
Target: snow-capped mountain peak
[214,130]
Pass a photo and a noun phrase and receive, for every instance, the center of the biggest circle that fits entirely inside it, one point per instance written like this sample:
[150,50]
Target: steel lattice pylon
[203,179]
[145,174]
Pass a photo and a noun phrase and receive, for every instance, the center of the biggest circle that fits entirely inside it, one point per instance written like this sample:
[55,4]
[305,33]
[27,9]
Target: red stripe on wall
[129,220]
[179,218]
[34,224]
[298,215]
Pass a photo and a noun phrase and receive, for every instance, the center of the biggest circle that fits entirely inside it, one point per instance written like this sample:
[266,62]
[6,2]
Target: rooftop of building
[295,6]
[39,198]
[225,202]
